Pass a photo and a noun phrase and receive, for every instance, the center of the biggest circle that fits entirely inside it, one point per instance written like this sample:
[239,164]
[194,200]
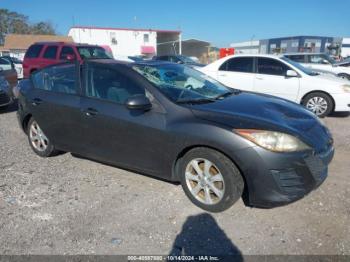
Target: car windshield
[182,84]
[300,67]
[92,52]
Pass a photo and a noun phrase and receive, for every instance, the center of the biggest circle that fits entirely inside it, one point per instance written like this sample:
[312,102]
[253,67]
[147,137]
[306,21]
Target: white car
[279,76]
[322,63]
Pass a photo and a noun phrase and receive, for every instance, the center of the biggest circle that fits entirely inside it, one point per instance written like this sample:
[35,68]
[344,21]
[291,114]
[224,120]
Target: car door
[49,56]
[55,104]
[112,132]
[8,71]
[271,79]
[237,73]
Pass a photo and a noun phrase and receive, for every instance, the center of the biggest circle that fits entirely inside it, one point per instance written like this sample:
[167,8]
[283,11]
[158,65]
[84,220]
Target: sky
[219,22]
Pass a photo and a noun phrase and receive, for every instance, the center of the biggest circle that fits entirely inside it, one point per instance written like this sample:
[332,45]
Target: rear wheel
[38,141]
[210,179]
[319,103]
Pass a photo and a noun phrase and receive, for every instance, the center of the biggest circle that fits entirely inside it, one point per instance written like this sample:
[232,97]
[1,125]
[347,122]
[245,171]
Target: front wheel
[210,179]
[38,141]
[319,103]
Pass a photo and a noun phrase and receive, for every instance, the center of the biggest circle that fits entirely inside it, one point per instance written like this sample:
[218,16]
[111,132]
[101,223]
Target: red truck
[42,54]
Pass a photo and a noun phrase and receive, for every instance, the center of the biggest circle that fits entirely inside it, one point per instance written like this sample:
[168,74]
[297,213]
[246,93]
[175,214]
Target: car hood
[330,78]
[255,111]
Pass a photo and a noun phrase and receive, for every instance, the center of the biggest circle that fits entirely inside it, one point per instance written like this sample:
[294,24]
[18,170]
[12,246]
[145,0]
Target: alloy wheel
[37,137]
[205,181]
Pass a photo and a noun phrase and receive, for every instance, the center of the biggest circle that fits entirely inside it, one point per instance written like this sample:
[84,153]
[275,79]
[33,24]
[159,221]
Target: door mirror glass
[291,73]
[139,102]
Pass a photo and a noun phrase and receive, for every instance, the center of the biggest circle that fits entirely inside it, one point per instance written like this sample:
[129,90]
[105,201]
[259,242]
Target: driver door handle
[36,101]
[90,111]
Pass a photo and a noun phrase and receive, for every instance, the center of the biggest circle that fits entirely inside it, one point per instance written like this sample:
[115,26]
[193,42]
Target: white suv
[321,62]
[282,77]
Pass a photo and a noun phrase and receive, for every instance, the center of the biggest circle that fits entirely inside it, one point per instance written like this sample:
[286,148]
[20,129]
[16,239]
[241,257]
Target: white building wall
[345,50]
[122,42]
[248,47]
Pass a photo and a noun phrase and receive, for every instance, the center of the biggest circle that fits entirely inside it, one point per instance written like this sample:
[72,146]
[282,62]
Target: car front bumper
[342,102]
[276,179]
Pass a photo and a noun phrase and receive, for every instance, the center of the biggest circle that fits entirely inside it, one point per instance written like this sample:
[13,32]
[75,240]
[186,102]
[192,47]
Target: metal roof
[126,29]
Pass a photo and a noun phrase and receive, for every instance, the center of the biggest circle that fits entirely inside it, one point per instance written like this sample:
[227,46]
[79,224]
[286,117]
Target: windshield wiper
[196,101]
[229,93]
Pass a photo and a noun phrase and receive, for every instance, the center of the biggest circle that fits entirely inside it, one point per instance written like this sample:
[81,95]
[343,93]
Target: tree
[15,23]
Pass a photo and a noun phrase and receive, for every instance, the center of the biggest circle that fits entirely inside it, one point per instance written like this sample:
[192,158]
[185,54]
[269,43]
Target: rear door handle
[259,78]
[36,101]
[90,111]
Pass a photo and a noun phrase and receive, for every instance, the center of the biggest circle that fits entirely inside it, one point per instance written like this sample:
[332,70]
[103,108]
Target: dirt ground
[68,205]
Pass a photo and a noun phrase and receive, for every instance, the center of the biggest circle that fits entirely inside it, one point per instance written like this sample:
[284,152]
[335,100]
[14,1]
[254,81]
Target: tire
[47,149]
[231,188]
[319,103]
[344,76]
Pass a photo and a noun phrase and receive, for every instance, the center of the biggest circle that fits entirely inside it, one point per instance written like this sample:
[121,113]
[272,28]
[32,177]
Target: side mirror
[325,62]
[70,57]
[291,73]
[138,102]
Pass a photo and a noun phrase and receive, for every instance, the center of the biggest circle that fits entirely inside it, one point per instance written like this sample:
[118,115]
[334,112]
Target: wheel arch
[25,122]
[180,155]
[318,91]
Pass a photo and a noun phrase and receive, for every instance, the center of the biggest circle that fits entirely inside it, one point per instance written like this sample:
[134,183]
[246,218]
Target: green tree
[15,23]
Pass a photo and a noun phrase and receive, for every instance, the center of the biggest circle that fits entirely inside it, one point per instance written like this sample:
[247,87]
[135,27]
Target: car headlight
[346,88]
[273,141]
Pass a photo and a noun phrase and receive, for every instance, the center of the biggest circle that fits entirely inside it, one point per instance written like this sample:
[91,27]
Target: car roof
[64,43]
[304,53]
[119,62]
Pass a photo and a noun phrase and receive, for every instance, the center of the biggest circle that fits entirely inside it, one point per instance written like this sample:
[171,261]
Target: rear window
[238,64]
[92,52]
[34,51]
[50,52]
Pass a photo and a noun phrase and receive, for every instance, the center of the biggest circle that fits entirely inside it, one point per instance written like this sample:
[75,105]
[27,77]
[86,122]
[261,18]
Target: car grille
[4,99]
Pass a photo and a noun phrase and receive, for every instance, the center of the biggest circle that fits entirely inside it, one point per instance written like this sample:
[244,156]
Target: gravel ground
[68,205]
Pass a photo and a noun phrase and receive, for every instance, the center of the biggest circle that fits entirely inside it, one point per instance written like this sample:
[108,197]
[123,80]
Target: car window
[92,52]
[174,59]
[238,64]
[50,52]
[269,66]
[61,79]
[319,59]
[297,58]
[33,51]
[66,50]
[109,84]
[5,64]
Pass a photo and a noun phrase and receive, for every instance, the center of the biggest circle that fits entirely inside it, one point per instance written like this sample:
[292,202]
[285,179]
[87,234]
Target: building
[248,47]
[16,45]
[292,44]
[129,42]
[345,48]
[200,49]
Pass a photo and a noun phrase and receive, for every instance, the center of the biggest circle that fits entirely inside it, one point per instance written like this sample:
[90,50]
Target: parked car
[179,59]
[43,54]
[280,76]
[321,62]
[146,117]
[8,79]
[18,65]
